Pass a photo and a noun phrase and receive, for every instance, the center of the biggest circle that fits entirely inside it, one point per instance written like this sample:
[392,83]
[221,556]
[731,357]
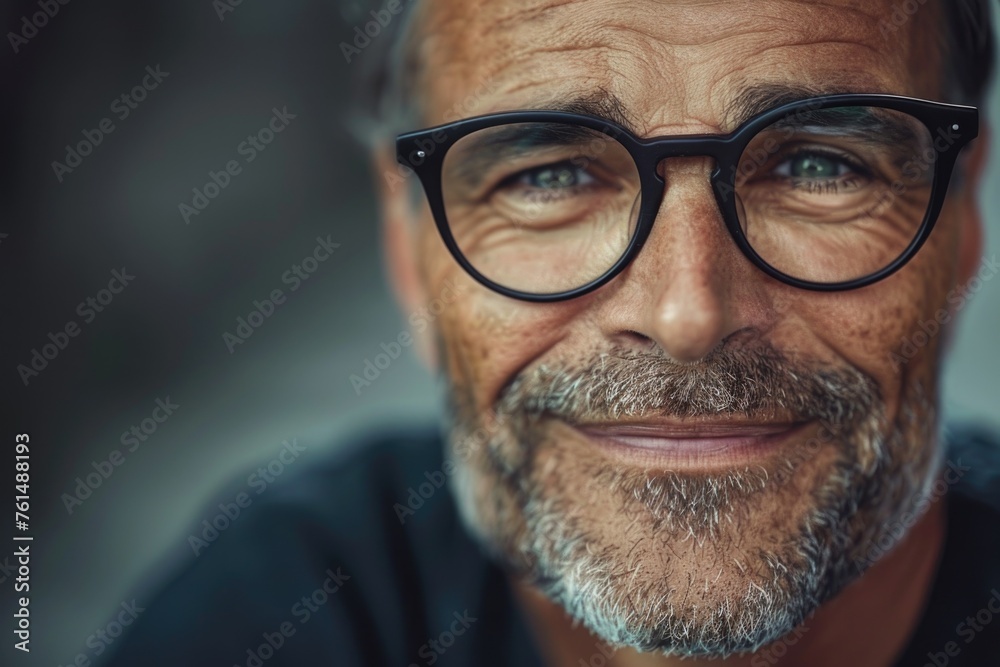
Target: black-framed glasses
[827,193]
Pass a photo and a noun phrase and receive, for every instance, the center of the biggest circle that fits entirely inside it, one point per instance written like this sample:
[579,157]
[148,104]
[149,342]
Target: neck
[867,625]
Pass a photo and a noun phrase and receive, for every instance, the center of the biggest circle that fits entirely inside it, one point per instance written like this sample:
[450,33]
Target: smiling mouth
[694,444]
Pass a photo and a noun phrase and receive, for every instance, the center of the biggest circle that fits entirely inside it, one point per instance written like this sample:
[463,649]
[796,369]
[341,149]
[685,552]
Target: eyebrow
[506,143]
[760,98]
[882,129]
[601,103]
[749,102]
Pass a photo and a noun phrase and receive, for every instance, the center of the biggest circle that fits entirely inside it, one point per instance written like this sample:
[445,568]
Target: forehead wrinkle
[682,23]
[503,55]
[538,11]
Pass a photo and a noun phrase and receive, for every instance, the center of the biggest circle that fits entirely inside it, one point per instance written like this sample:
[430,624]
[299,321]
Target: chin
[711,555]
[702,510]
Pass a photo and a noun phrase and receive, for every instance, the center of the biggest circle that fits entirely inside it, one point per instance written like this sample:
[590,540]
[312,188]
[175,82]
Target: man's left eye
[813,166]
[556,176]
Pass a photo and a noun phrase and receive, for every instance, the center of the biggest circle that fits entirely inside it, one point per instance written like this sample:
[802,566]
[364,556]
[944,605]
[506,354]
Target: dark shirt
[322,570]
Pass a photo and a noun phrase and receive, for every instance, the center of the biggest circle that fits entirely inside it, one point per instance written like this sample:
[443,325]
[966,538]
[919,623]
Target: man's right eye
[558,176]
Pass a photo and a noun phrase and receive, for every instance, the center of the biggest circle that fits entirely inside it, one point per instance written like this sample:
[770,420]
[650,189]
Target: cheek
[894,331]
[488,339]
[922,298]
[484,338]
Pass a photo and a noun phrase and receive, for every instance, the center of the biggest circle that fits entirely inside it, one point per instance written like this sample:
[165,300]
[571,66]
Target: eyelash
[831,185]
[813,186]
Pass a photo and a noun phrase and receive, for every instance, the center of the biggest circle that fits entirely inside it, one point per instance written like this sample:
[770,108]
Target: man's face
[695,456]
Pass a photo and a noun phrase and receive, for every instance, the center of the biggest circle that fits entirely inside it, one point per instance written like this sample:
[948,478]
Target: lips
[691,442]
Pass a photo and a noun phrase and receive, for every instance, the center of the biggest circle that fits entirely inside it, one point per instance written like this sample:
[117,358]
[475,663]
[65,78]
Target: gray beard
[519,494]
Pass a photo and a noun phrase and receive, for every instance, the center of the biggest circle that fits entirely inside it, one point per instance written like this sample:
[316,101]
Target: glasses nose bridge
[655,151]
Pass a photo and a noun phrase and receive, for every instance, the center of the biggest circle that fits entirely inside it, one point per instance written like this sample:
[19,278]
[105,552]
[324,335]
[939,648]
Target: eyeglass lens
[825,195]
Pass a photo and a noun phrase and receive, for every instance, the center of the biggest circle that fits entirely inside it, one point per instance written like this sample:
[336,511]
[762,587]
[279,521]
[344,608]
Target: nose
[683,289]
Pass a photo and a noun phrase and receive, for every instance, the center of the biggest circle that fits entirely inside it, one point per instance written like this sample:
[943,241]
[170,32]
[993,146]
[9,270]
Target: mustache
[757,382]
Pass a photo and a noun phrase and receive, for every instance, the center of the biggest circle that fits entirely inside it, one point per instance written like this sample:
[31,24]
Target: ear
[400,246]
[970,239]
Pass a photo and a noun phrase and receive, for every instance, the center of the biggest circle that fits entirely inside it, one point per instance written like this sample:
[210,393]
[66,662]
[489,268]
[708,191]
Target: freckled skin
[676,66]
[675,76]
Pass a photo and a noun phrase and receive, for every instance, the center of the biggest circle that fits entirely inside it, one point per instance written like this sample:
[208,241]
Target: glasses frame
[424,152]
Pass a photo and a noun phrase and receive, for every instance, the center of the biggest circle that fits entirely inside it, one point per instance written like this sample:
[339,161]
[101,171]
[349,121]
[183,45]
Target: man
[676,312]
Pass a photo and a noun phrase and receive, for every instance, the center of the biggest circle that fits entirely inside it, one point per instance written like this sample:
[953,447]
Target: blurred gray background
[162,335]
